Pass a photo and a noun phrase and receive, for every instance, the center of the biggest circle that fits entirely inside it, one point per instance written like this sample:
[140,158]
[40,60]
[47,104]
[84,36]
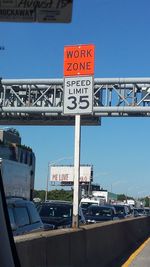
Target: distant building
[12,149]
[7,136]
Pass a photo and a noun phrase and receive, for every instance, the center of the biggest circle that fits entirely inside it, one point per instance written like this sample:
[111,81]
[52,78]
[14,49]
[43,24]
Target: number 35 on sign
[78,95]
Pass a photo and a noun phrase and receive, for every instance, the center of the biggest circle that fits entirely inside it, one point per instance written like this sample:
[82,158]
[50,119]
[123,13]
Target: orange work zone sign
[79,60]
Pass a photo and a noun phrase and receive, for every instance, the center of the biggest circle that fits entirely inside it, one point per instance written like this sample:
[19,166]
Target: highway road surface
[140,257]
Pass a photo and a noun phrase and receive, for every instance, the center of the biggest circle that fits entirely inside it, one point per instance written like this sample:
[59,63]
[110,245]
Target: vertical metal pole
[75,219]
[46,192]
[89,189]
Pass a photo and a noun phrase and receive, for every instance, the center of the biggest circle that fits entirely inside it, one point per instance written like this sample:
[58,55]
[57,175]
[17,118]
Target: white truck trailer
[16,178]
[86,202]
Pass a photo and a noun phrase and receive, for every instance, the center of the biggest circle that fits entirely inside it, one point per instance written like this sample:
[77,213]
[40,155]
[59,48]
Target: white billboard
[66,174]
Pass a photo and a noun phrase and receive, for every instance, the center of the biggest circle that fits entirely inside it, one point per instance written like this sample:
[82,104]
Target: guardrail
[102,244]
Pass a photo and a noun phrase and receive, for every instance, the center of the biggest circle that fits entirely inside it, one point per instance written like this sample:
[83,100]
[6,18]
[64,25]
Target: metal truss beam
[40,101]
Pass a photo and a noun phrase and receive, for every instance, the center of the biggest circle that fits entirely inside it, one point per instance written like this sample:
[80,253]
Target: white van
[86,202]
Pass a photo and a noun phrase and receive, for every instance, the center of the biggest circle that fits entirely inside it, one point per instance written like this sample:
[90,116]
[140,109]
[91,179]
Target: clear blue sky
[120,31]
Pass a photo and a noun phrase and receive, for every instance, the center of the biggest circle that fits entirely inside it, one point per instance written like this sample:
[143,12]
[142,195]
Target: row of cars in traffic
[26,216]
[95,213]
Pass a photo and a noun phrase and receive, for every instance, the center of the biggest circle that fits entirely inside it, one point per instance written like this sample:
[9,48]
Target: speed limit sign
[78,95]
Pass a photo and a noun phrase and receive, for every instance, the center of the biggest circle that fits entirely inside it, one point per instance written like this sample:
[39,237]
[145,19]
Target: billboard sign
[79,60]
[66,174]
[36,10]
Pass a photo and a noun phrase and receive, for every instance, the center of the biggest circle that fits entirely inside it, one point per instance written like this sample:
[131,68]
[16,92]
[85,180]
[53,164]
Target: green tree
[62,194]
[145,201]
[39,194]
[121,197]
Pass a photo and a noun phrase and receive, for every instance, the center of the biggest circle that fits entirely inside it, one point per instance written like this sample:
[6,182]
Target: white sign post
[78,99]
[75,219]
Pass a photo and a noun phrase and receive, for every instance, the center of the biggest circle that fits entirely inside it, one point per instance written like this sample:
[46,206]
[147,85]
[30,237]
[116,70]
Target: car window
[21,216]
[119,210]
[100,211]
[106,212]
[55,211]
[141,211]
[127,211]
[63,211]
[45,211]
[34,216]
[85,205]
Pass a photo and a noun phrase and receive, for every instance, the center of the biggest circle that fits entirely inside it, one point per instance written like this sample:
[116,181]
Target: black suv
[123,211]
[59,213]
[97,213]
[24,217]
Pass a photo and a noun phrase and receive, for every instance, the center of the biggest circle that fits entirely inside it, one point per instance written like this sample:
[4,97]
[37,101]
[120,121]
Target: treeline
[54,195]
[122,197]
[144,200]
[67,195]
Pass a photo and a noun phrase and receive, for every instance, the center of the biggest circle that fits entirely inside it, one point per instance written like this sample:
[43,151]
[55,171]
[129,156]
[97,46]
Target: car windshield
[85,205]
[119,209]
[100,211]
[55,211]
[139,210]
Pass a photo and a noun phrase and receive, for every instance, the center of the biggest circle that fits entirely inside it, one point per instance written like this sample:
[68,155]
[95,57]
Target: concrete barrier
[96,245]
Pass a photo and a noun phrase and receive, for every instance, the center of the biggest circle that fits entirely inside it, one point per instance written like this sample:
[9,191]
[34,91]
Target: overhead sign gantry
[40,101]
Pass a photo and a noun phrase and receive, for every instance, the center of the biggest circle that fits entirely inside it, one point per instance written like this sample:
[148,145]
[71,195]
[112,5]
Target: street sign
[36,10]
[79,60]
[78,95]
[78,100]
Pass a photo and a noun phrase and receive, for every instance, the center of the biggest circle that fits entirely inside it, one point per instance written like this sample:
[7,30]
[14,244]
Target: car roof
[120,205]
[14,200]
[100,207]
[56,202]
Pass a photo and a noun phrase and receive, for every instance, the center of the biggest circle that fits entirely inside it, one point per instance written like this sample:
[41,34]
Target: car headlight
[91,221]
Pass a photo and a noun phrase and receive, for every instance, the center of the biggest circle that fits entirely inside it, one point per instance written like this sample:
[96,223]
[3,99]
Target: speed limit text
[78,83]
[78,86]
[78,95]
